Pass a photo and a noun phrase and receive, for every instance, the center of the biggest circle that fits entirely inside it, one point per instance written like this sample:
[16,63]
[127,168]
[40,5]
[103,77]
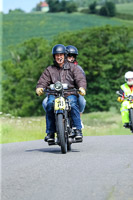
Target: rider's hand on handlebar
[120,99]
[82,91]
[39,91]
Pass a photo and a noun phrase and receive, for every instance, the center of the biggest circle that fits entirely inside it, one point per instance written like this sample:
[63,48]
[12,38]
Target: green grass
[125,8]
[16,129]
[103,123]
[20,27]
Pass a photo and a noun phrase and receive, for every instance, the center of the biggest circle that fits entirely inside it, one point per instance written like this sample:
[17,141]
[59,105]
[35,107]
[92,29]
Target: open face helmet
[59,48]
[129,77]
[71,50]
[72,53]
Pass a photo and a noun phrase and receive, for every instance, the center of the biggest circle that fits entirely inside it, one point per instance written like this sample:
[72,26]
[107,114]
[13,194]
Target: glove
[120,99]
[82,91]
[39,91]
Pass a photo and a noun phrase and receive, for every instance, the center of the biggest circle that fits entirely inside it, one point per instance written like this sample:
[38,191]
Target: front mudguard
[59,112]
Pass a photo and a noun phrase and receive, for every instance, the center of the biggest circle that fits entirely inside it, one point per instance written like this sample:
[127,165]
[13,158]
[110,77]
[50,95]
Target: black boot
[49,137]
[126,125]
[78,134]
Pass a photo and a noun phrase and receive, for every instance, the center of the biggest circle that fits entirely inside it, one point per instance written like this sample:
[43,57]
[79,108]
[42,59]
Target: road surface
[100,168]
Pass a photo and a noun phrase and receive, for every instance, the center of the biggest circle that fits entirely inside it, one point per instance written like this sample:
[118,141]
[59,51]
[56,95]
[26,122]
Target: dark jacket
[69,74]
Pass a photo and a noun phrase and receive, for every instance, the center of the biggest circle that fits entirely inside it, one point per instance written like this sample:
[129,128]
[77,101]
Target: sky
[25,5]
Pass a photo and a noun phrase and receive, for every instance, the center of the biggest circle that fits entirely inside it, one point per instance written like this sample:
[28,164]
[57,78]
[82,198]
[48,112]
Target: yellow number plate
[59,104]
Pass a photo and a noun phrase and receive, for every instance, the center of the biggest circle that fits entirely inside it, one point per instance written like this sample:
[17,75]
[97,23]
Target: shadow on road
[50,150]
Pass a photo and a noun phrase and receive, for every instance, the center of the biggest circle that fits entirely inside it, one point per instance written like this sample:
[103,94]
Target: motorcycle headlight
[58,86]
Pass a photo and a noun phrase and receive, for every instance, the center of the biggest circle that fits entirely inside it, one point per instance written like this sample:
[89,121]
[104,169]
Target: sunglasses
[71,55]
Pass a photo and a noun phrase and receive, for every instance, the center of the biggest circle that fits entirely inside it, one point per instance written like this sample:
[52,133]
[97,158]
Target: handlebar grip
[117,92]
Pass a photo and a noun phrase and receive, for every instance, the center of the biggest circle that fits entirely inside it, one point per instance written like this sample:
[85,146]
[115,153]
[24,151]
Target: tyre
[61,133]
[131,119]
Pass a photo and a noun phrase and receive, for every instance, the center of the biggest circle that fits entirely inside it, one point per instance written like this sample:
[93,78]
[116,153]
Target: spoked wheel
[61,133]
[131,119]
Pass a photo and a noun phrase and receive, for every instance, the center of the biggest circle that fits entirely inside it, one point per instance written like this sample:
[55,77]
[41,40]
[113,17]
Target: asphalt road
[100,168]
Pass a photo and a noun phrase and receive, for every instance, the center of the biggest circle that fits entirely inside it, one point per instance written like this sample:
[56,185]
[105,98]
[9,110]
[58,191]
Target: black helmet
[71,50]
[59,48]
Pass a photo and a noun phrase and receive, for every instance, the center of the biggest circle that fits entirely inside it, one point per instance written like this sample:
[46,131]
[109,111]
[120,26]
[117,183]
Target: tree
[38,6]
[105,53]
[71,7]
[92,7]
[54,5]
[64,5]
[16,11]
[108,9]
[22,73]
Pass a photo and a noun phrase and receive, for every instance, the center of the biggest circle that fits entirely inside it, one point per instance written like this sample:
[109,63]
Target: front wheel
[131,119]
[61,133]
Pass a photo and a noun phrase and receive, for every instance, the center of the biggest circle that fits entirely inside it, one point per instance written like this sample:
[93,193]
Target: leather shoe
[49,137]
[78,134]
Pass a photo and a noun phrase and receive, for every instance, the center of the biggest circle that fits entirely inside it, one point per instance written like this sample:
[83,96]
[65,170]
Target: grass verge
[17,129]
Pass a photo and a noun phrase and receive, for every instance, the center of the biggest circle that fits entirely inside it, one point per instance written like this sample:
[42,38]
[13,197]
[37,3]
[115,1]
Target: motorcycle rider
[72,53]
[126,89]
[65,72]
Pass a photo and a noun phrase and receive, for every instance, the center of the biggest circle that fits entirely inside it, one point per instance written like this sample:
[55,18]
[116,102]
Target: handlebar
[128,97]
[49,91]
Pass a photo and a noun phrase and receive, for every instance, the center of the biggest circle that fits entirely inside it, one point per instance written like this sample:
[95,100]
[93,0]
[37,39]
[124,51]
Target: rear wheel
[131,119]
[61,133]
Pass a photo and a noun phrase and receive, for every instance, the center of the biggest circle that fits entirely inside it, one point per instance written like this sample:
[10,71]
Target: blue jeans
[50,116]
[81,102]
[44,103]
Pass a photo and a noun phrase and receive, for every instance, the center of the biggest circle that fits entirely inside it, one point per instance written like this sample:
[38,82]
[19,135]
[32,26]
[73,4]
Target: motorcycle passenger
[126,89]
[72,53]
[65,72]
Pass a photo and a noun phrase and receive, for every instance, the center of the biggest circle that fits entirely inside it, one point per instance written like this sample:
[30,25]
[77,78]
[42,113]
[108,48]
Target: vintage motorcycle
[63,120]
[129,98]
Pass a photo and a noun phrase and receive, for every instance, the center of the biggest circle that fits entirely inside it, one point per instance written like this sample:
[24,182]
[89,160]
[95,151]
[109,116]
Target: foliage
[104,54]
[71,7]
[54,6]
[38,7]
[16,11]
[59,6]
[108,9]
[84,3]
[22,73]
[18,28]
[92,7]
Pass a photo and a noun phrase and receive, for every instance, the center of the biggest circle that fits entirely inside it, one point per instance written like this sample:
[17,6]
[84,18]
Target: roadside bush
[105,53]
[92,7]
[71,7]
[21,75]
[108,9]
